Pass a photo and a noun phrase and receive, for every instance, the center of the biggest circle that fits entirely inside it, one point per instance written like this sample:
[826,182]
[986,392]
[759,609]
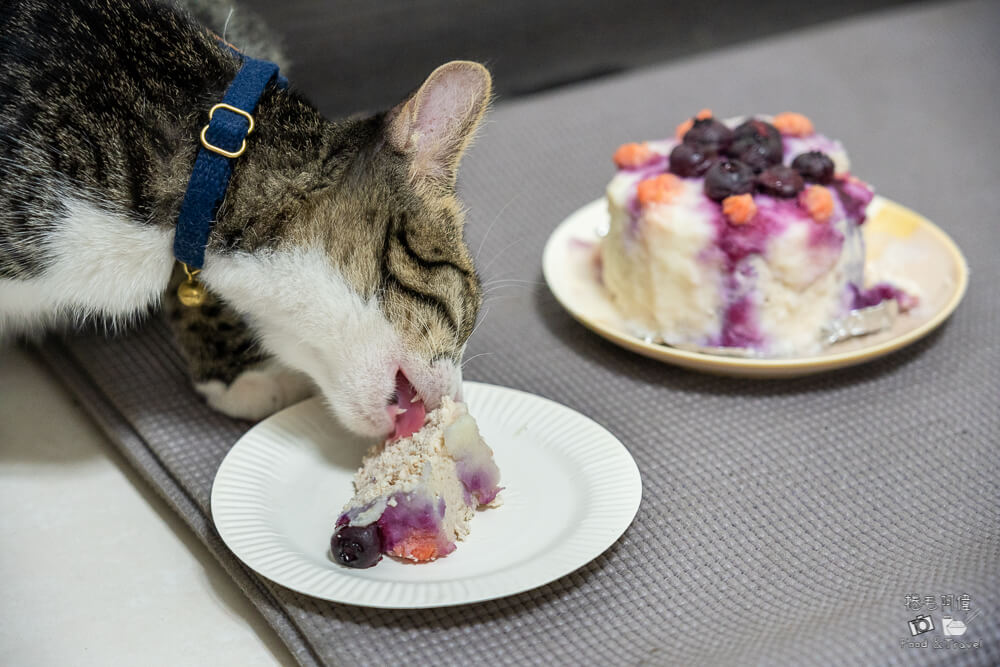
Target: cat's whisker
[225,26]
[494,281]
[501,252]
[519,284]
[496,286]
[499,295]
[510,288]
[475,356]
[500,299]
[490,228]
[482,318]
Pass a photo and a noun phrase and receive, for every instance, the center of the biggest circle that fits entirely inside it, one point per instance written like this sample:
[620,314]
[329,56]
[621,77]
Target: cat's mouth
[406,408]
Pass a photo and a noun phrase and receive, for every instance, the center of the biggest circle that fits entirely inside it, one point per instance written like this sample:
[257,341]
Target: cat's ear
[434,126]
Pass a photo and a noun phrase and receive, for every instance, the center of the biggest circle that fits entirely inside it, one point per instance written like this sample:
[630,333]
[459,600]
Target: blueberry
[757,130]
[357,546]
[709,133]
[728,177]
[758,157]
[780,181]
[689,160]
[757,144]
[814,166]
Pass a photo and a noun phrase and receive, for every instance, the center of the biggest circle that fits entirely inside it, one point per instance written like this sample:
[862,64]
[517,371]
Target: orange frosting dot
[793,124]
[818,201]
[632,155]
[658,189]
[739,209]
[689,123]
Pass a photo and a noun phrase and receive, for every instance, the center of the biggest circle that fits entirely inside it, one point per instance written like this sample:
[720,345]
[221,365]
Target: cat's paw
[256,393]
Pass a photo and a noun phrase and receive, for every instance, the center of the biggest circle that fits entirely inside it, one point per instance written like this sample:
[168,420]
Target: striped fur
[337,255]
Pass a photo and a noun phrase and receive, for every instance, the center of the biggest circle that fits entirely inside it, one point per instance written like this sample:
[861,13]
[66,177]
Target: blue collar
[223,140]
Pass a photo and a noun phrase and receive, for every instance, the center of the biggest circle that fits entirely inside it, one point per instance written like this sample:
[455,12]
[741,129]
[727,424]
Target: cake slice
[416,493]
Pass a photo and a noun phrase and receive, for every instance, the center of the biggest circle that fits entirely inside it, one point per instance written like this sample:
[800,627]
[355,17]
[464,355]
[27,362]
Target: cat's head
[370,289]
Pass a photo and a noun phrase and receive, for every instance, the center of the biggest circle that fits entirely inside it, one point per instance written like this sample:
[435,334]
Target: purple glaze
[738,242]
[866,298]
[774,215]
[413,513]
[634,210]
[739,325]
[826,235]
[480,481]
[854,195]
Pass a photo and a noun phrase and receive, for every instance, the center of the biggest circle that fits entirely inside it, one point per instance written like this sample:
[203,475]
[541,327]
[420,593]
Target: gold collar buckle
[221,151]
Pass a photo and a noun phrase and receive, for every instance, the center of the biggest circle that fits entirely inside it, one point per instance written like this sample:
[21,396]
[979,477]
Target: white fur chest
[101,264]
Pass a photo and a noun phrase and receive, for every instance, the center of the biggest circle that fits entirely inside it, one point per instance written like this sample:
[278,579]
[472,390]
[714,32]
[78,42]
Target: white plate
[902,247]
[570,490]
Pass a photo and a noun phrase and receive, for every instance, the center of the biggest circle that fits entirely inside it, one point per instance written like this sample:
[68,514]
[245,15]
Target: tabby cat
[336,259]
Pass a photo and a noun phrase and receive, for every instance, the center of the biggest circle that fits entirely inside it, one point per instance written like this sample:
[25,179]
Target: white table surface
[95,568]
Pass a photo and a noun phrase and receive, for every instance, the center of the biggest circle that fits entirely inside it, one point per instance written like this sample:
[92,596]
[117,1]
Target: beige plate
[903,248]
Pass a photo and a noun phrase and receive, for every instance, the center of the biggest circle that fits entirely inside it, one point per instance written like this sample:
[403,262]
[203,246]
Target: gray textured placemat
[782,522]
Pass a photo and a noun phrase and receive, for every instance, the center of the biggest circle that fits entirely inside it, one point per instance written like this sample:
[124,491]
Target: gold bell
[191,292]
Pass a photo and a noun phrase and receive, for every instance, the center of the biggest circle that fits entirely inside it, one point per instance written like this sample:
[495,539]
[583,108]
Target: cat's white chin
[310,319]
[360,402]
[365,402]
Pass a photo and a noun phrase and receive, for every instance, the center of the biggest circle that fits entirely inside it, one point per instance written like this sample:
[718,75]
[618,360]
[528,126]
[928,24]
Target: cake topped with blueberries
[742,234]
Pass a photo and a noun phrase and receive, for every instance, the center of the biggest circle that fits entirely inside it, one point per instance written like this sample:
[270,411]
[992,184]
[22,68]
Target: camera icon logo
[920,625]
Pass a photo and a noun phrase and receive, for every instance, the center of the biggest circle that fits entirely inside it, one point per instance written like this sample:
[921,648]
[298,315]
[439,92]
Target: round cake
[741,234]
